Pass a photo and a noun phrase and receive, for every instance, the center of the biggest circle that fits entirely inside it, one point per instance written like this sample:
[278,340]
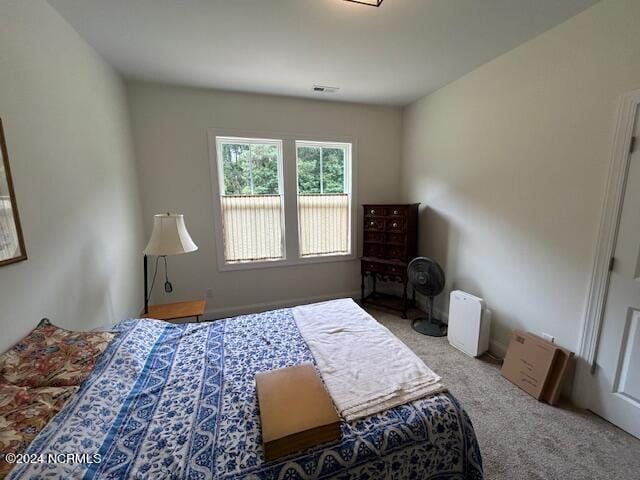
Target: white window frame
[253,141]
[348,188]
[289,191]
[250,141]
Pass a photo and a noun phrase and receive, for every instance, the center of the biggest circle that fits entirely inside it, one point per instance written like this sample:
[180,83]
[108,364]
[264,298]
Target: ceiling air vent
[325,89]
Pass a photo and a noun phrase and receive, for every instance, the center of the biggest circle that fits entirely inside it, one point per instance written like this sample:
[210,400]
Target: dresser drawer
[394,252]
[374,211]
[373,250]
[374,237]
[395,238]
[397,211]
[395,224]
[374,224]
[371,267]
[395,270]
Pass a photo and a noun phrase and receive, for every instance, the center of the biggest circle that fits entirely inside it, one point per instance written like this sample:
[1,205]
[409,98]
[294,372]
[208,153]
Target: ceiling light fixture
[371,3]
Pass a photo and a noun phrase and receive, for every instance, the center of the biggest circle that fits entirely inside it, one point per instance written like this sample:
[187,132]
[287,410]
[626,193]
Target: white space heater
[469,323]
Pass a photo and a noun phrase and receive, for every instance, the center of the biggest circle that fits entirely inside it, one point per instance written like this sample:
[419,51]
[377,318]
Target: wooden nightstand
[173,312]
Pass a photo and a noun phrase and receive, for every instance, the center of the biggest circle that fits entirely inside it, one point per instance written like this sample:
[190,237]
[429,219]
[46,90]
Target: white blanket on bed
[365,367]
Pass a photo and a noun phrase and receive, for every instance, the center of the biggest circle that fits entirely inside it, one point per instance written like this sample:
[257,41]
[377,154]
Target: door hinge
[612,263]
[632,144]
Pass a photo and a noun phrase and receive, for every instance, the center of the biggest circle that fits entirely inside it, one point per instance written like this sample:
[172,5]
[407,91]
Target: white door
[616,381]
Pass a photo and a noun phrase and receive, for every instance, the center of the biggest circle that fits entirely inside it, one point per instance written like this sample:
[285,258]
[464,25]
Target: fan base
[431,327]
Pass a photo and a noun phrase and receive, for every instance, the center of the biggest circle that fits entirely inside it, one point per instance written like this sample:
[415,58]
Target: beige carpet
[521,438]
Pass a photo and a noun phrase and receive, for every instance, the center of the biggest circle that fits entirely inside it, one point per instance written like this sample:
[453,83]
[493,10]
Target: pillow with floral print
[53,357]
[24,412]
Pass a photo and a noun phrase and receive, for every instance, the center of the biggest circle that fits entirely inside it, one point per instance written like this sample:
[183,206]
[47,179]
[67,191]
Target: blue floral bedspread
[179,402]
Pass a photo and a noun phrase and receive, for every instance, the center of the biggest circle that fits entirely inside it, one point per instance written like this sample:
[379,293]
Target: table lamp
[169,237]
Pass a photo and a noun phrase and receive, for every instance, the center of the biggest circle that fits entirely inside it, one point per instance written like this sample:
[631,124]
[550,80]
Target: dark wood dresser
[390,240]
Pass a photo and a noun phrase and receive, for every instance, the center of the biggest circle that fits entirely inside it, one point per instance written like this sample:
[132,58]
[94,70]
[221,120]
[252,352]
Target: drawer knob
[372,224]
[395,224]
[395,212]
[372,212]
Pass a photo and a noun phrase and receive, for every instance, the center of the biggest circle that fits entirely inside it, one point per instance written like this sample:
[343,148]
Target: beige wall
[66,124]
[510,162]
[170,133]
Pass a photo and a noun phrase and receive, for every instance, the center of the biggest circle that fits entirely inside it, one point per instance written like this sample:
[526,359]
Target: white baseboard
[497,348]
[224,312]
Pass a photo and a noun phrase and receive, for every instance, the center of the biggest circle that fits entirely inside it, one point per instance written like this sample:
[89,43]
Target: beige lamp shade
[169,236]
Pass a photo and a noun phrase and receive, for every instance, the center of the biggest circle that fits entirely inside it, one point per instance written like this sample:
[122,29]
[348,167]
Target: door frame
[606,242]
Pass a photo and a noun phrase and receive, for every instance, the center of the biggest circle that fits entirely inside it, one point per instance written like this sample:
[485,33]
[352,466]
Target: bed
[178,401]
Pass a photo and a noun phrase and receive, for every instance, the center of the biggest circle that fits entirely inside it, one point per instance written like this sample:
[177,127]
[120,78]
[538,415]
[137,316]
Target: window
[282,200]
[249,173]
[323,198]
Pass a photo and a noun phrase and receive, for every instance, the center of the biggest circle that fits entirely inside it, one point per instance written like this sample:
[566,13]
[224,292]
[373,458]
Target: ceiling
[388,55]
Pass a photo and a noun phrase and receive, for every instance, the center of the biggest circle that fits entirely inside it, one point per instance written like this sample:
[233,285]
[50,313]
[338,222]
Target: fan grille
[426,276]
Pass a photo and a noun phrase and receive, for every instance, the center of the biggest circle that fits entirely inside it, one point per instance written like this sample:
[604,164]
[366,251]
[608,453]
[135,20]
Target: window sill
[232,267]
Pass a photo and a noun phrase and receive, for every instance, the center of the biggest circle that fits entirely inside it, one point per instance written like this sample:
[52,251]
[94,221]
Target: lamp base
[146,286]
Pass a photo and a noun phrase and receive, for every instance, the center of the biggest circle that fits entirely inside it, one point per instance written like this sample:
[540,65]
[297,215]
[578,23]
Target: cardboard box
[528,362]
[537,366]
[296,410]
[558,375]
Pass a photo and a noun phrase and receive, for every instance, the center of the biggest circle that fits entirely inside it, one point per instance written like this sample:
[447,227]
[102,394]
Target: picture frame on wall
[12,247]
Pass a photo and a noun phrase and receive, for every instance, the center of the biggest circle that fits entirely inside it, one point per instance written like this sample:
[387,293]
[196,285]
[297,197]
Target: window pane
[309,169]
[252,227]
[265,169]
[333,170]
[235,161]
[252,207]
[323,199]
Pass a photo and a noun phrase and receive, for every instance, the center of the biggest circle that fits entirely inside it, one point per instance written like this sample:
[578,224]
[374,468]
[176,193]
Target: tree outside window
[320,170]
[250,169]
